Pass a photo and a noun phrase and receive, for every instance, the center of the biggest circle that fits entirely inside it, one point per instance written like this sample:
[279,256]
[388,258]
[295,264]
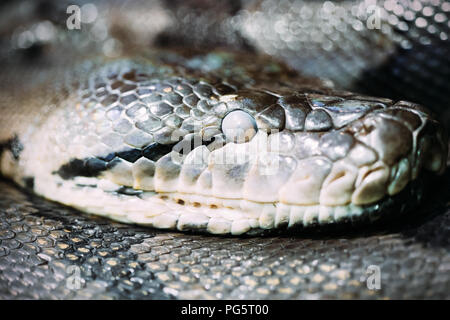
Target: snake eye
[239,126]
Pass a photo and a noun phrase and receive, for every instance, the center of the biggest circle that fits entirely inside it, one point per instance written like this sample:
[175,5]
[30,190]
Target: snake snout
[345,152]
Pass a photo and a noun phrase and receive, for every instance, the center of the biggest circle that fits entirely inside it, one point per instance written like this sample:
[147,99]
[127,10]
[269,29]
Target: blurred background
[391,48]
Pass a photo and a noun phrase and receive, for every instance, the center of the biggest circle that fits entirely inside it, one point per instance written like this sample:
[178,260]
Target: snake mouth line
[191,212]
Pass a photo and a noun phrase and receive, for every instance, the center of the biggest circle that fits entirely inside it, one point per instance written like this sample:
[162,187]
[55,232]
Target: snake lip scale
[152,142]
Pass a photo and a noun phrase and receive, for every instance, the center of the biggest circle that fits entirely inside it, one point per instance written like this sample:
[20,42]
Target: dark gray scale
[191,82]
[318,120]
[271,118]
[90,167]
[296,108]
[116,85]
[411,105]
[197,114]
[14,145]
[252,100]
[223,89]
[141,77]
[100,94]
[161,109]
[173,121]
[318,100]
[191,100]
[150,125]
[109,100]
[28,182]
[157,86]
[154,97]
[174,81]
[156,150]
[83,93]
[374,128]
[183,89]
[129,75]
[131,155]
[173,98]
[412,120]
[203,90]
[182,111]
[128,99]
[87,95]
[189,125]
[204,106]
[144,92]
[167,168]
[385,101]
[107,157]
[100,86]
[129,191]
[95,166]
[128,88]
[344,112]
[163,88]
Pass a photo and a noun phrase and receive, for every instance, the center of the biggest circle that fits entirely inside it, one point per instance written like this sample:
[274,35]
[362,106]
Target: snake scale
[219,139]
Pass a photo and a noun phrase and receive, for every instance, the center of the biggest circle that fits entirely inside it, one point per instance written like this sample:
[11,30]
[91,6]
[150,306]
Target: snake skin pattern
[266,274]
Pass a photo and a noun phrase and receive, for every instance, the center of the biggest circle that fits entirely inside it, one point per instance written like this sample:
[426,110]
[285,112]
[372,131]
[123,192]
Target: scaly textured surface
[40,241]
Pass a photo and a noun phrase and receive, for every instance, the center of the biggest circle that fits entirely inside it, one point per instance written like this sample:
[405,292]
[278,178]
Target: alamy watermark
[77,15]
[373,17]
[87,13]
[236,147]
[372,277]
[74,280]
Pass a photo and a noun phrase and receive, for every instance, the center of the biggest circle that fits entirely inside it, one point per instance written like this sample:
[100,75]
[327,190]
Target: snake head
[148,144]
